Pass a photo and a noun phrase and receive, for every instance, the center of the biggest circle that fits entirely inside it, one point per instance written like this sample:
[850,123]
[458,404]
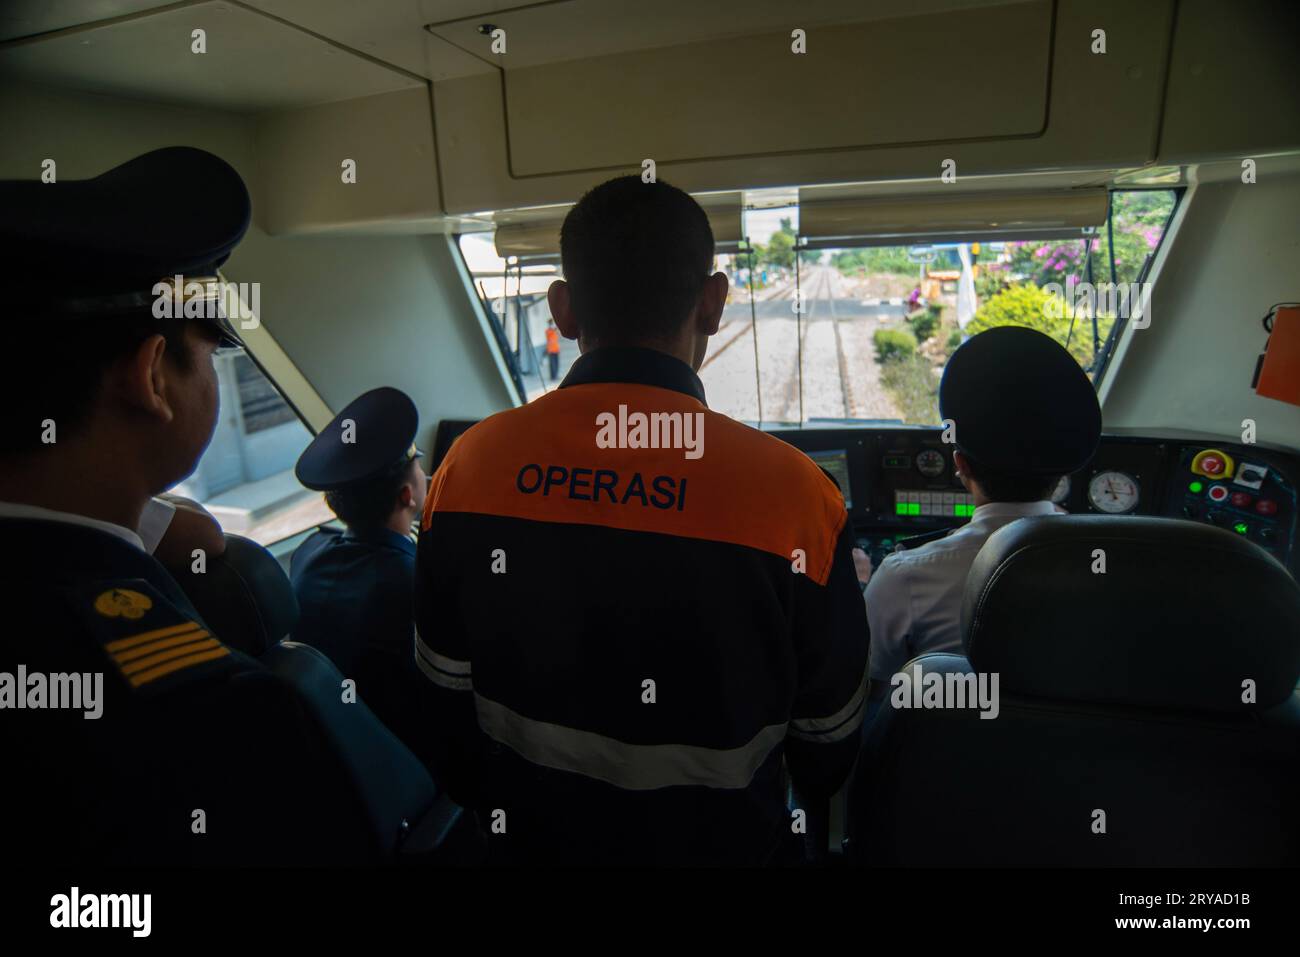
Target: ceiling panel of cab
[252,63]
[394,31]
[544,33]
[27,18]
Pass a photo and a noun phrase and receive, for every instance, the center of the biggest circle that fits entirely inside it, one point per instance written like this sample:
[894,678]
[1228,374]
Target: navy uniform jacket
[188,724]
[355,592]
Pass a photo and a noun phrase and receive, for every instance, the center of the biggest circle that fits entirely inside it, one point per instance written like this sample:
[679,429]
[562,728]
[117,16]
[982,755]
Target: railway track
[818,364]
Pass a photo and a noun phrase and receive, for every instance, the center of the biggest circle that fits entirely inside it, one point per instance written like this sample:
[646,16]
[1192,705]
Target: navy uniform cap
[98,246]
[1020,403]
[382,430]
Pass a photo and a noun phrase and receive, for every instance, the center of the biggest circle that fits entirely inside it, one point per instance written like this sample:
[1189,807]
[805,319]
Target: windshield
[862,333]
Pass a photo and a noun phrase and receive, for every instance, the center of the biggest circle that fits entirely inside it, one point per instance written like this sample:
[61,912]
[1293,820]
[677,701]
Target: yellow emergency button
[1213,464]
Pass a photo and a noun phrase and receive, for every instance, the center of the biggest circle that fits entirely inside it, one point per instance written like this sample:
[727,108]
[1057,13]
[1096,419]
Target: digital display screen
[836,461]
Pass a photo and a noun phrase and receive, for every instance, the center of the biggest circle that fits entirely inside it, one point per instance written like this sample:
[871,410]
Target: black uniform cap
[1021,403]
[97,247]
[384,422]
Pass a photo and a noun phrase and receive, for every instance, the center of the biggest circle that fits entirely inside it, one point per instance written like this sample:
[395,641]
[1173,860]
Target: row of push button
[934,503]
[1220,494]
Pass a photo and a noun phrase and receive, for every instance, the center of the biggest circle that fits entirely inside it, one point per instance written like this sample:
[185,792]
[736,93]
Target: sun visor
[826,213]
[535,233]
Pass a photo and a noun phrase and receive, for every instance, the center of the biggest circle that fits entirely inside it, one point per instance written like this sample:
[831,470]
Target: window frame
[270,359]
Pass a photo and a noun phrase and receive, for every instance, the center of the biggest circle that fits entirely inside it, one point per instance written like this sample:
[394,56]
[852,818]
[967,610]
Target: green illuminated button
[913,508]
[1196,487]
[901,508]
[1241,528]
[886,543]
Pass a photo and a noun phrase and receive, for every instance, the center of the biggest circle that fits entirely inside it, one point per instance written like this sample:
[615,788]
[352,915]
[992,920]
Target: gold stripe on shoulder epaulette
[153,654]
[188,661]
[146,636]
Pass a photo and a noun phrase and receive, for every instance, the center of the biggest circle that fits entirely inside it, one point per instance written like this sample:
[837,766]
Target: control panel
[900,483]
[1240,492]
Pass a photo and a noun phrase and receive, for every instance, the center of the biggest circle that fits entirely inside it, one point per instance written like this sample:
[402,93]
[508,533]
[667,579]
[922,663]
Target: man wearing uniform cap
[1025,415]
[136,735]
[355,588]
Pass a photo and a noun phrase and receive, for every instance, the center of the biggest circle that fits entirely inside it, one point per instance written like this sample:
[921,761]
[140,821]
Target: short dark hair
[368,504]
[1011,486]
[73,356]
[635,256]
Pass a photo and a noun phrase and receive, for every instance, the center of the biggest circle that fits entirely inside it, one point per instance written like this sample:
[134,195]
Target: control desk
[899,482]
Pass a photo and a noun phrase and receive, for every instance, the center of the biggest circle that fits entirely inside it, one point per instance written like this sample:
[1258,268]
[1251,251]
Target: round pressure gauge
[1113,492]
[930,463]
[1062,490]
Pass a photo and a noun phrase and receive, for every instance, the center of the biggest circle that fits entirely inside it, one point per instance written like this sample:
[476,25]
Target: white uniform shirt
[155,518]
[914,597]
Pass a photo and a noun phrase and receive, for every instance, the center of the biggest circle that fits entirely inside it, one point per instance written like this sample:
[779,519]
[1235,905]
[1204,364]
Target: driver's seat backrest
[1146,713]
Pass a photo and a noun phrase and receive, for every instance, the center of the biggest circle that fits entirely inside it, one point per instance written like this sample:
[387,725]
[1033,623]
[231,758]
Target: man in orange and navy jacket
[709,628]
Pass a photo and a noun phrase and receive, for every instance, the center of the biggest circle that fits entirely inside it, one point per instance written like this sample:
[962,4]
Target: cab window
[861,333]
[245,477]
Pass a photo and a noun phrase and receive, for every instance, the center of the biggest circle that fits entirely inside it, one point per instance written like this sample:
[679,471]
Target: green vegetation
[1024,304]
[894,344]
[990,282]
[915,388]
[1138,223]
[779,249]
[874,259]
[926,322]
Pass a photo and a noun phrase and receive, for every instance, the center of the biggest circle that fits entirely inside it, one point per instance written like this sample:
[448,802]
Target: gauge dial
[930,463]
[1062,490]
[1113,492]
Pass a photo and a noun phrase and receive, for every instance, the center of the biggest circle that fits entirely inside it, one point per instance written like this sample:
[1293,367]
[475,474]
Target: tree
[779,250]
[1024,304]
[1138,219]
[874,259]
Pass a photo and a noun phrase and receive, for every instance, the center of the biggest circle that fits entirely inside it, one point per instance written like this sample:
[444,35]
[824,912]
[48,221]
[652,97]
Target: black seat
[246,598]
[1123,692]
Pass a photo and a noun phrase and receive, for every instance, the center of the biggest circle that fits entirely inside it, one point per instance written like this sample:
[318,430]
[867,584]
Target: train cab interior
[884,180]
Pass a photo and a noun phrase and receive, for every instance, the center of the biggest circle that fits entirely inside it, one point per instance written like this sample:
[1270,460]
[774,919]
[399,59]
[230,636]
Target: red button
[1218,493]
[1240,499]
[1266,506]
[1212,465]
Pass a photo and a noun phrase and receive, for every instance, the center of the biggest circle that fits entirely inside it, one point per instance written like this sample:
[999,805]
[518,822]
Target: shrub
[893,344]
[990,282]
[925,323]
[954,340]
[1025,304]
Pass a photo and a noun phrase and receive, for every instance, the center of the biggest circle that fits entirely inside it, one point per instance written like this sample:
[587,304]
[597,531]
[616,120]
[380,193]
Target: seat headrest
[1150,612]
[244,596]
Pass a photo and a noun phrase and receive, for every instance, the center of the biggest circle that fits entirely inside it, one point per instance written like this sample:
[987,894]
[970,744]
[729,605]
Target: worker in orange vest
[553,348]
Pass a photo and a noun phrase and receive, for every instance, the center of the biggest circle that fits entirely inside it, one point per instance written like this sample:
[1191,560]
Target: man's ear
[141,379]
[557,297]
[713,300]
[960,466]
